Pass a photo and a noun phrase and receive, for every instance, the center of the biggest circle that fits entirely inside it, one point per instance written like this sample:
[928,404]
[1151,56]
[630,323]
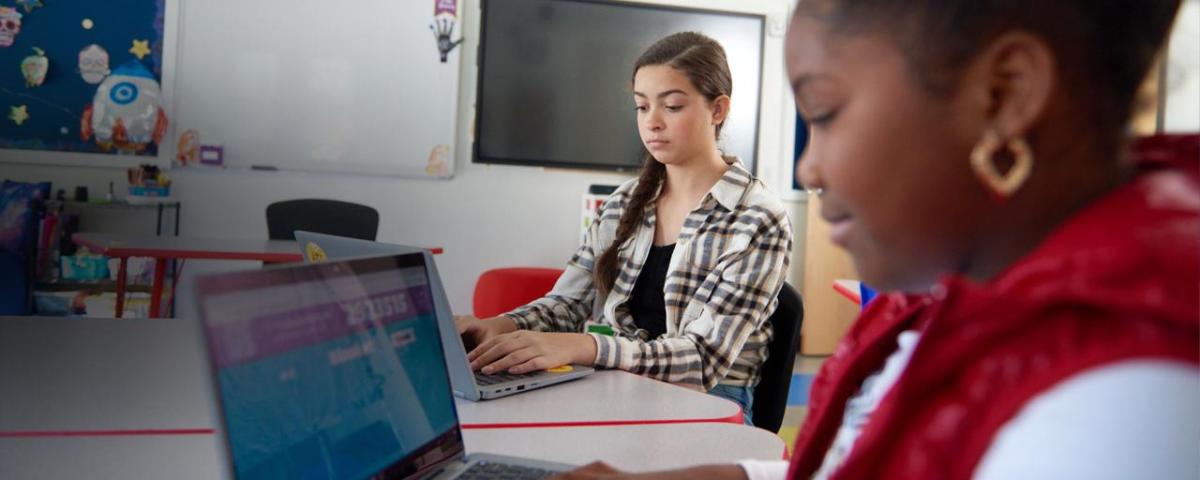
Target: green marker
[600,329]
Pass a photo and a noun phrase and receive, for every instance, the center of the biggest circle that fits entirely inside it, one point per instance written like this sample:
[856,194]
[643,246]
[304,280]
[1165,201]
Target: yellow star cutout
[140,48]
[18,114]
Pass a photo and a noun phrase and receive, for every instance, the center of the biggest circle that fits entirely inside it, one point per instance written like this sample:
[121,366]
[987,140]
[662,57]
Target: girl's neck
[694,178]
[1055,197]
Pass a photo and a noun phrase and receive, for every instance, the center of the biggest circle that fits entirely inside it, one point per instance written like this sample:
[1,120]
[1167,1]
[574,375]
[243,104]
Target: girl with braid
[684,263]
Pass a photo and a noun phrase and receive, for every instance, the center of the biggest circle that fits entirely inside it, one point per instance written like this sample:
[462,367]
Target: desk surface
[607,397]
[152,374]
[632,447]
[86,395]
[99,375]
[167,456]
[629,447]
[120,245]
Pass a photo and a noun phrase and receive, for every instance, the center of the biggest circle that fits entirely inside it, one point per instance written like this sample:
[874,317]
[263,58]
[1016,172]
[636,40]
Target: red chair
[502,289]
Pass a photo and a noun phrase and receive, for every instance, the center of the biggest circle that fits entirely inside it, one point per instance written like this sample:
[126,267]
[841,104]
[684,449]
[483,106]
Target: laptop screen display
[329,370]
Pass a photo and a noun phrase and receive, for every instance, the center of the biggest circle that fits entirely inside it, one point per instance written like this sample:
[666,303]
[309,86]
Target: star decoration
[140,48]
[18,114]
[29,5]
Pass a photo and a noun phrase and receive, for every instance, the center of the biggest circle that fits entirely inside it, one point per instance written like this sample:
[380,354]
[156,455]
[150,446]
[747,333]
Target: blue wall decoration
[800,145]
[49,116]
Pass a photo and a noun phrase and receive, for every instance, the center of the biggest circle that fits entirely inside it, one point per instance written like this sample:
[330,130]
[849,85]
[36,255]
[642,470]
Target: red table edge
[845,292]
[119,252]
[197,254]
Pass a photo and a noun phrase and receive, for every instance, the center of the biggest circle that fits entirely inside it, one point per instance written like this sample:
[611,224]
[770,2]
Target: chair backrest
[333,217]
[503,289]
[771,394]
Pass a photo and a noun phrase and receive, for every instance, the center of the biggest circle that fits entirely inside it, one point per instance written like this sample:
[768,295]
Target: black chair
[771,394]
[331,217]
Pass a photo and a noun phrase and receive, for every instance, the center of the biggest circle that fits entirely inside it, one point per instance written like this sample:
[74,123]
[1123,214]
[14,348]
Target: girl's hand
[591,471]
[524,351]
[602,471]
[475,331]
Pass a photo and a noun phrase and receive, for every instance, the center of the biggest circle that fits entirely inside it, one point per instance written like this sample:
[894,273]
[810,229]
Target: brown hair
[1104,48]
[702,60]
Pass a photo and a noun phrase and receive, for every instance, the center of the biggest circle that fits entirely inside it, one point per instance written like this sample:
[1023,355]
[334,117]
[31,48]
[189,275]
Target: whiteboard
[319,86]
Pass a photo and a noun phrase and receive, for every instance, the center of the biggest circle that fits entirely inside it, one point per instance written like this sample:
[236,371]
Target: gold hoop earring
[982,162]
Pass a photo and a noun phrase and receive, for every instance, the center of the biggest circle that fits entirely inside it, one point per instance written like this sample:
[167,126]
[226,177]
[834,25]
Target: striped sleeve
[569,304]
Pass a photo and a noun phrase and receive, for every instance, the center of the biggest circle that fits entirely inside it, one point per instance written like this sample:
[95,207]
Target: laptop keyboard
[491,470]
[484,379]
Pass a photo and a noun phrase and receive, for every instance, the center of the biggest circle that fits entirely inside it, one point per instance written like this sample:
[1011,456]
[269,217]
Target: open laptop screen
[330,370]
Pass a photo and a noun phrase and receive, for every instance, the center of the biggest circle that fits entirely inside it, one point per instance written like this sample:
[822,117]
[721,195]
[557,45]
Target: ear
[1018,73]
[720,109]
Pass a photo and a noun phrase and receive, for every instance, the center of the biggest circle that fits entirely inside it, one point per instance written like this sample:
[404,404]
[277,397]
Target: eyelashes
[823,119]
[669,108]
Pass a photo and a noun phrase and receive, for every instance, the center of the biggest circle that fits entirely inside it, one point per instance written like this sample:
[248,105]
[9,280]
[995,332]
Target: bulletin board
[56,55]
[366,87]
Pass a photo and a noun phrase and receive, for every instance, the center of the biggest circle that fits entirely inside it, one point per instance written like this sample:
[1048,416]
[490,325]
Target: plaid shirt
[729,263]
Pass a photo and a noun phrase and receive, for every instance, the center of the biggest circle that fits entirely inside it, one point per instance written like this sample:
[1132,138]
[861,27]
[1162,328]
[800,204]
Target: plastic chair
[771,394]
[332,217]
[502,289]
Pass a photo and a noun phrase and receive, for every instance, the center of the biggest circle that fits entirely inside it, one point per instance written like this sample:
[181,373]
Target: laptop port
[520,387]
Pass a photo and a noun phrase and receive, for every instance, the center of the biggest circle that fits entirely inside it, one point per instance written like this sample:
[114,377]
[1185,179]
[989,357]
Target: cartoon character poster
[82,76]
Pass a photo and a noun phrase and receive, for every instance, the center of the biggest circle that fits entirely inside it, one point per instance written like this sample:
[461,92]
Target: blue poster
[82,76]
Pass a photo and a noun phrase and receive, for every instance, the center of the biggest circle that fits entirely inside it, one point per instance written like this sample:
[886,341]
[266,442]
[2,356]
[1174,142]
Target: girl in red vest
[973,157]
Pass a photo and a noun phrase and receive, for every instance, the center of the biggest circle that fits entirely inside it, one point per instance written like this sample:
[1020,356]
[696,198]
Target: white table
[132,398]
[632,447]
[628,447]
[102,375]
[96,374]
[166,456]
[607,397]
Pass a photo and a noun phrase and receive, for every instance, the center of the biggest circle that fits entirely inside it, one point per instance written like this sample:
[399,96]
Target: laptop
[336,370]
[467,383]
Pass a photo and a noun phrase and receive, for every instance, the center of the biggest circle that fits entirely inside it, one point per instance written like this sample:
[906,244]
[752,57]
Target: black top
[646,301]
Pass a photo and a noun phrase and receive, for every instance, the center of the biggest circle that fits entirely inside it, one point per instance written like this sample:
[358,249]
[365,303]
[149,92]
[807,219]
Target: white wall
[485,217]
[1182,96]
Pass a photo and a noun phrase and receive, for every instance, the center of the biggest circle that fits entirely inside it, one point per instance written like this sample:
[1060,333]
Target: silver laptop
[468,384]
[336,370]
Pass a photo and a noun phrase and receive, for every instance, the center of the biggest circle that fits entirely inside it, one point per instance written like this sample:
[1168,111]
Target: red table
[162,249]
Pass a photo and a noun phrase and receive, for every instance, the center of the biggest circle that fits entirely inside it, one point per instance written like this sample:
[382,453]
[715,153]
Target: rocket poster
[82,76]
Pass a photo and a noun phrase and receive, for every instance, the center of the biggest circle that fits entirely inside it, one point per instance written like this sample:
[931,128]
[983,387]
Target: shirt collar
[729,189]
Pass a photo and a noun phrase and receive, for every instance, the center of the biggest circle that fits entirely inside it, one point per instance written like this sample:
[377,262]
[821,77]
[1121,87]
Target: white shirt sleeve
[1134,419]
[765,469]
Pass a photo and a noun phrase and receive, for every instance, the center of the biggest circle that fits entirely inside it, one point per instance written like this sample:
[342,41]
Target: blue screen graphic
[337,389]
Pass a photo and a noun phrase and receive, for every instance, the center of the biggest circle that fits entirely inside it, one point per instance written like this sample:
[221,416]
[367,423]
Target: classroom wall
[487,216]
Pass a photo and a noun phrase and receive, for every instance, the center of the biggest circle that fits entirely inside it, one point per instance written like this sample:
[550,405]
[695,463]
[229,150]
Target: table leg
[121,287]
[160,267]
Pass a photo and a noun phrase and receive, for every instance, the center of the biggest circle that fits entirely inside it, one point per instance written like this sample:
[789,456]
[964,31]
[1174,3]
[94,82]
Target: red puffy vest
[1118,281]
